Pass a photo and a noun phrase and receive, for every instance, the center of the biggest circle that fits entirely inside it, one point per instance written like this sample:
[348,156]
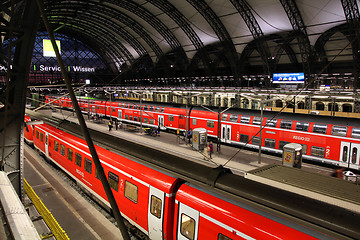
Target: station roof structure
[222,36]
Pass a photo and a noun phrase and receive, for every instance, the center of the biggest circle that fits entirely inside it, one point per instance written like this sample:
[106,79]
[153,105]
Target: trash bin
[199,138]
[292,155]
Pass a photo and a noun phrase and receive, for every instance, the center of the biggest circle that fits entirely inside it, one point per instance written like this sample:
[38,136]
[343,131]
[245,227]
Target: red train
[28,130]
[332,140]
[167,207]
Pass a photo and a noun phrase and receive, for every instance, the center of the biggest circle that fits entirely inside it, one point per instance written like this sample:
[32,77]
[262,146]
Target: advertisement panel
[291,78]
[48,50]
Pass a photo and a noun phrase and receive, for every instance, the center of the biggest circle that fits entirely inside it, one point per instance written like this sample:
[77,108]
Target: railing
[49,219]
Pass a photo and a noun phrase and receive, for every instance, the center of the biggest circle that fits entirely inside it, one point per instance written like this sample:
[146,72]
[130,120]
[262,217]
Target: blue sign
[288,78]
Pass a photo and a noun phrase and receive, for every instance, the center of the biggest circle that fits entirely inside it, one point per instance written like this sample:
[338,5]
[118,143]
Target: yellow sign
[288,157]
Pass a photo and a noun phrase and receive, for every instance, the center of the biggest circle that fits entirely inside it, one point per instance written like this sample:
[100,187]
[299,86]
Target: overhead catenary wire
[287,103]
[85,131]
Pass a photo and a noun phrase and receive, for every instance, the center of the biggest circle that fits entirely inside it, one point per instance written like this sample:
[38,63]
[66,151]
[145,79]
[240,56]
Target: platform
[324,188]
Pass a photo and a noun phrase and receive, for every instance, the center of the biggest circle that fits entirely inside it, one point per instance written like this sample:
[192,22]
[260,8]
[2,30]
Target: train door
[225,133]
[350,155]
[161,122]
[182,122]
[119,114]
[188,223]
[47,144]
[156,213]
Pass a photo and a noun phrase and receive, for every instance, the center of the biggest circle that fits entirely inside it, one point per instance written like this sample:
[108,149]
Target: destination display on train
[288,78]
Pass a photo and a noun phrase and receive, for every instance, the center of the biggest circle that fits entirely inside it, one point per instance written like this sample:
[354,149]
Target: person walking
[211,148]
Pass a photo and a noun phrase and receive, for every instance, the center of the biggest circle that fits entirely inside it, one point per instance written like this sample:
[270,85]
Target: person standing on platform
[178,135]
[189,135]
[158,130]
[211,148]
[110,125]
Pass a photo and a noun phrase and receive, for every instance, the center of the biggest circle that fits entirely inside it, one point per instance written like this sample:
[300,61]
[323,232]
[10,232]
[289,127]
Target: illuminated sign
[43,68]
[288,78]
[48,50]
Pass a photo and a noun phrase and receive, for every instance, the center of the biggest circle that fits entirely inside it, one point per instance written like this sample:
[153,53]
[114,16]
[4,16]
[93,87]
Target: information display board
[291,78]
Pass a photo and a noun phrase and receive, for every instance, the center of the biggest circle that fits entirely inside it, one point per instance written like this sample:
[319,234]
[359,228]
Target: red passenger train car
[28,130]
[331,140]
[160,205]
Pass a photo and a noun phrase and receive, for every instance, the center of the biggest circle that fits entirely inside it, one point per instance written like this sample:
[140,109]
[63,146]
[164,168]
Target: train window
[245,119]
[88,165]
[70,154]
[145,108]
[56,146]
[145,120]
[131,117]
[135,118]
[355,133]
[151,120]
[302,126]
[256,120]
[135,106]
[41,137]
[46,139]
[210,124]
[339,131]
[162,110]
[224,117]
[233,117]
[119,105]
[126,116]
[151,109]
[271,122]
[171,118]
[319,128]
[345,153]
[157,109]
[97,173]
[155,206]
[194,121]
[256,141]
[244,138]
[282,144]
[287,124]
[187,227]
[318,151]
[78,159]
[223,237]
[62,149]
[113,109]
[131,191]
[113,181]
[270,143]
[354,155]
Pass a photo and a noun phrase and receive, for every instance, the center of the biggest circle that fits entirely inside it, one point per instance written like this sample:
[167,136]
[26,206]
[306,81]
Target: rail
[49,219]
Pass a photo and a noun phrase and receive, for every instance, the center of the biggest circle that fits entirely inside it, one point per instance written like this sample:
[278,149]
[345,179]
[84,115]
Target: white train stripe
[222,225]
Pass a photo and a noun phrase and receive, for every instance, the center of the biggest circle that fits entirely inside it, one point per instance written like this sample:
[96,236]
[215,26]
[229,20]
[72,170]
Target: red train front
[28,130]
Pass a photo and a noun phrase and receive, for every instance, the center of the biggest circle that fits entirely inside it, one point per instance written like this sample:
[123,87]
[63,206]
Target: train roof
[290,205]
[343,121]
[143,173]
